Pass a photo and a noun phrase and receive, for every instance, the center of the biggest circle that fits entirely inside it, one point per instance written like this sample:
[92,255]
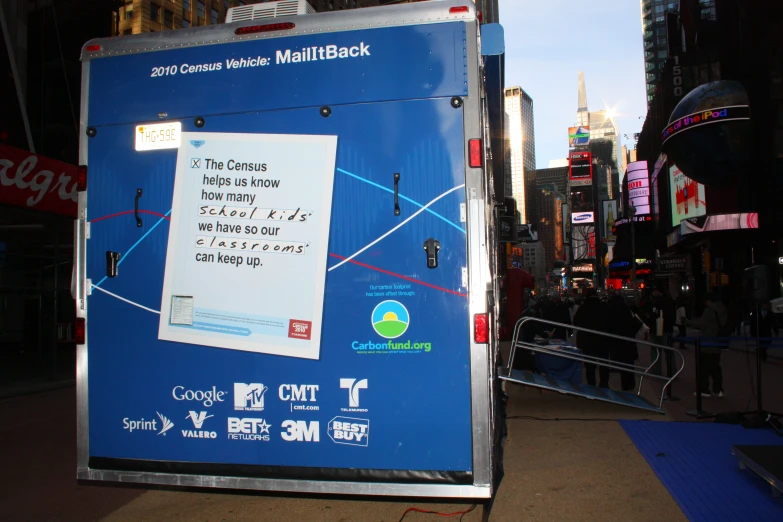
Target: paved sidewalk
[555,470]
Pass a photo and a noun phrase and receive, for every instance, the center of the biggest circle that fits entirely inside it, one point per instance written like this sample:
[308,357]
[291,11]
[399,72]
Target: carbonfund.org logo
[390,319]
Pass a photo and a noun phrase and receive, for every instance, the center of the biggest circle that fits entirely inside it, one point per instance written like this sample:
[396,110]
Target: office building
[534,261]
[550,224]
[655,35]
[603,128]
[521,167]
[557,176]
[141,16]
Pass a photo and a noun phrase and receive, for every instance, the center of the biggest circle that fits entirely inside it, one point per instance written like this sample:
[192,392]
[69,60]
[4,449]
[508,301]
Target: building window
[168,18]
[185,23]
[227,4]
[214,15]
[200,8]
[155,12]
[129,14]
[331,5]
[186,5]
[662,54]
[127,31]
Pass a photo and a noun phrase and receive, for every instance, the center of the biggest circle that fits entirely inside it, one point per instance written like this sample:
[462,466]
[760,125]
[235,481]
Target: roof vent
[245,13]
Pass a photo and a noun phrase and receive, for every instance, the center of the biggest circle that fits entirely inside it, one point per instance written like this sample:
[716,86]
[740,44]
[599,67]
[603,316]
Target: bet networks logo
[390,319]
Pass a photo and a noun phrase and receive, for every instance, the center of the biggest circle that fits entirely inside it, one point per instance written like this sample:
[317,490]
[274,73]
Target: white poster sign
[247,250]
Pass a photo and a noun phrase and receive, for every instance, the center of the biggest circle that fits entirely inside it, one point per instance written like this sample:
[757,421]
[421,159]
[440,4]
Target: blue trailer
[284,256]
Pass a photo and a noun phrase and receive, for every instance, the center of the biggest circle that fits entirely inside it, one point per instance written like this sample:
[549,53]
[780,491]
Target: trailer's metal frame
[479,243]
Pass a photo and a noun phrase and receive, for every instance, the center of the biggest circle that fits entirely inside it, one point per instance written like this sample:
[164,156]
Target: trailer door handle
[112,260]
[396,193]
[431,246]
[136,207]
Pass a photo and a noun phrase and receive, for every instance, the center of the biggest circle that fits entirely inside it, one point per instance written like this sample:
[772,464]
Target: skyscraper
[656,37]
[521,167]
[602,127]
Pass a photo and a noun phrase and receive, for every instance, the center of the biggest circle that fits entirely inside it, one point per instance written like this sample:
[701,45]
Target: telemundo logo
[390,319]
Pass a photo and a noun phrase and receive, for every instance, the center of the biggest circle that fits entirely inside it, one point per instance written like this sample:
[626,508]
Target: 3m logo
[249,397]
[353,386]
[299,329]
[301,431]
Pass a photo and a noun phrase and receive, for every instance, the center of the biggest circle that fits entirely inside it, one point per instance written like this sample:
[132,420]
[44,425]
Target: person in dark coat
[622,322]
[593,314]
[557,312]
[525,359]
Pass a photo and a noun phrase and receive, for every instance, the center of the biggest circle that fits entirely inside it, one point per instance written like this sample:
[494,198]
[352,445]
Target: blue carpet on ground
[694,461]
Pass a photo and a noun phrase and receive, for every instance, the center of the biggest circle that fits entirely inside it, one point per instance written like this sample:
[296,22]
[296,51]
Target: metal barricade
[643,371]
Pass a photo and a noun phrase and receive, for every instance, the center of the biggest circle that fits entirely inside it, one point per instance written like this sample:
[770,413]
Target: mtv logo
[249,397]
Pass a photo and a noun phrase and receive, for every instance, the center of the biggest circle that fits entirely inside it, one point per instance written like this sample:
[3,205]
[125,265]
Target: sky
[549,41]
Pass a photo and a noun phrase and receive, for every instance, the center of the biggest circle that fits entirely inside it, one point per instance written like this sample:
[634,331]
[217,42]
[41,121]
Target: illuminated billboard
[580,168]
[581,200]
[583,242]
[687,196]
[578,136]
[608,218]
[697,119]
[638,187]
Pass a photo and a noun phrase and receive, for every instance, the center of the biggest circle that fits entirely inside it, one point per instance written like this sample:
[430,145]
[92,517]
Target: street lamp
[631,215]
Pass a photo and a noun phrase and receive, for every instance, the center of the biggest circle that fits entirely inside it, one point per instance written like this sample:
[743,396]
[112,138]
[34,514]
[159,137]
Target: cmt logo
[354,387]
[301,431]
[299,393]
[350,431]
[249,397]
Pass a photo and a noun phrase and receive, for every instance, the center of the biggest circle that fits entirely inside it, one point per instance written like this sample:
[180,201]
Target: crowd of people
[654,317]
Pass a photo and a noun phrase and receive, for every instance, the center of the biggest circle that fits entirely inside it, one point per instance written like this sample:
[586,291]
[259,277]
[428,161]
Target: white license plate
[156,136]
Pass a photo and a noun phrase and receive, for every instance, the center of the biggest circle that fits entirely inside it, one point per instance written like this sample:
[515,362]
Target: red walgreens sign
[37,182]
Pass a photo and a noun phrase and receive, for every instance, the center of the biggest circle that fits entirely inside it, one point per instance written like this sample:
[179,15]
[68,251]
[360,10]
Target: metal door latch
[112,260]
[431,246]
[136,208]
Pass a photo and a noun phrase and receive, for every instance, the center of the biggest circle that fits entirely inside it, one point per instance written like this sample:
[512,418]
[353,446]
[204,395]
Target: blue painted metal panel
[132,375]
[395,63]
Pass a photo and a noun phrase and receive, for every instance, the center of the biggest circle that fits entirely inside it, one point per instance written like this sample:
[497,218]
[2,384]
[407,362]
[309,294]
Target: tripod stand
[760,418]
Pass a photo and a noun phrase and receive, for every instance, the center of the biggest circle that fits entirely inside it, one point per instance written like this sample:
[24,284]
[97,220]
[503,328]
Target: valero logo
[390,319]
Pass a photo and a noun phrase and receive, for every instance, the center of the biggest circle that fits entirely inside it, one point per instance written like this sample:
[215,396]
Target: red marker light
[460,9]
[93,48]
[481,328]
[475,153]
[79,330]
[264,28]
[81,178]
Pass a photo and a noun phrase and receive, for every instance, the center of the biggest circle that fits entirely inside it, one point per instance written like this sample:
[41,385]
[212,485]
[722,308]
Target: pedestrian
[766,326]
[557,312]
[709,324]
[681,315]
[593,314]
[525,359]
[663,319]
[624,323]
